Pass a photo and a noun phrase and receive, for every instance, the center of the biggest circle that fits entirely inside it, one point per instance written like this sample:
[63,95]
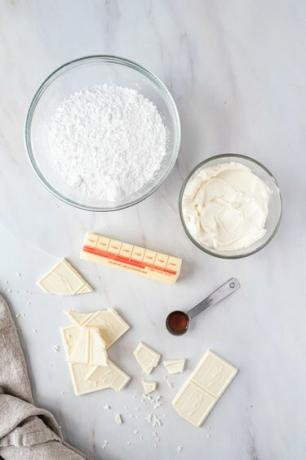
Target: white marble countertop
[237,72]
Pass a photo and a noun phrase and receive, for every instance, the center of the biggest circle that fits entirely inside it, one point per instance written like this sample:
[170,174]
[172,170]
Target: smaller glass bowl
[275,204]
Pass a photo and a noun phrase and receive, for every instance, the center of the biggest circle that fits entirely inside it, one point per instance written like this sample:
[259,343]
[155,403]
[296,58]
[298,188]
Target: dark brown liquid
[177,322]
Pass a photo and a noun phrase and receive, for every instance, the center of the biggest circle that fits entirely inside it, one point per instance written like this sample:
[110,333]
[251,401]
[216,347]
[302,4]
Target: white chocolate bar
[147,358]
[145,262]
[201,391]
[64,279]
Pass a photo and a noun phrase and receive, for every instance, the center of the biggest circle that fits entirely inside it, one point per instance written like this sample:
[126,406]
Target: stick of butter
[63,279]
[145,262]
[199,394]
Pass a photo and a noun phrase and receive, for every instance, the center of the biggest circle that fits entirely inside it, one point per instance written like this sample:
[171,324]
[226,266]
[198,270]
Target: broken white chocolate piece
[86,353]
[111,325]
[174,366]
[77,317]
[204,387]
[64,279]
[147,358]
[118,419]
[110,376]
[148,386]
[81,386]
[89,348]
[70,336]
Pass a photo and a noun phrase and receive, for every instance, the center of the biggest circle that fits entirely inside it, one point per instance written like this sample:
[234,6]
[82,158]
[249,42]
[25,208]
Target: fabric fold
[27,432]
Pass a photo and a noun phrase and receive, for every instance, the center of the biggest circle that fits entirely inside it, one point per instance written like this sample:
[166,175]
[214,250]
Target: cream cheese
[225,207]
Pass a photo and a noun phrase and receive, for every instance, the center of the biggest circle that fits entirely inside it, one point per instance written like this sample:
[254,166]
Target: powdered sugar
[107,142]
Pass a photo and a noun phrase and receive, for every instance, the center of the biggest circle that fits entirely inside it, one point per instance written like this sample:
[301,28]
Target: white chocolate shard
[110,376]
[81,386]
[148,386]
[112,326]
[118,419]
[174,366]
[204,387]
[64,279]
[89,348]
[147,358]
[77,317]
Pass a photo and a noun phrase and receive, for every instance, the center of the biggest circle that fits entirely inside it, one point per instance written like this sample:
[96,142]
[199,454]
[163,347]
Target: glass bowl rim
[226,156]
[105,58]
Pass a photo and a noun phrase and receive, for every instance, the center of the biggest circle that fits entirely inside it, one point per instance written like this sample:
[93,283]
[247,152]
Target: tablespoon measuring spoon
[177,322]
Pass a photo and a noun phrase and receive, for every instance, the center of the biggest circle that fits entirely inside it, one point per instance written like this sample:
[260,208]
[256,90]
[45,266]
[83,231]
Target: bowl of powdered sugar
[102,133]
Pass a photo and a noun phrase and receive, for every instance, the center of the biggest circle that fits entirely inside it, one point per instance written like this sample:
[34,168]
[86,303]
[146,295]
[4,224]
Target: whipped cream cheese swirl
[225,207]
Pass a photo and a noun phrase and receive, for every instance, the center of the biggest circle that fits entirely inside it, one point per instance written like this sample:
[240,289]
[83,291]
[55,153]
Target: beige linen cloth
[26,431]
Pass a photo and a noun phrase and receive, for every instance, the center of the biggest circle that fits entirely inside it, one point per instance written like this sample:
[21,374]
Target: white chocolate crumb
[118,419]
[18,315]
[105,444]
[35,331]
[107,407]
[56,348]
[170,384]
[18,275]
[135,431]
[153,420]
[179,449]
[129,443]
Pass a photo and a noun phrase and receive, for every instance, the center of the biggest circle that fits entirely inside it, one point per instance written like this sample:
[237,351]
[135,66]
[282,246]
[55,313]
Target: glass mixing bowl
[275,204]
[74,76]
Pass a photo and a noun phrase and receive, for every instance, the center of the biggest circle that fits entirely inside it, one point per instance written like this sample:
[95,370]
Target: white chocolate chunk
[64,279]
[110,323]
[77,317]
[204,387]
[98,348]
[89,348]
[110,376]
[70,336]
[118,419]
[174,366]
[147,358]
[81,350]
[148,386]
[85,349]
[82,386]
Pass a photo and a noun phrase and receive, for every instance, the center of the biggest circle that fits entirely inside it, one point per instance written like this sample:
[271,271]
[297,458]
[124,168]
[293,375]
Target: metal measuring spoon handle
[228,288]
